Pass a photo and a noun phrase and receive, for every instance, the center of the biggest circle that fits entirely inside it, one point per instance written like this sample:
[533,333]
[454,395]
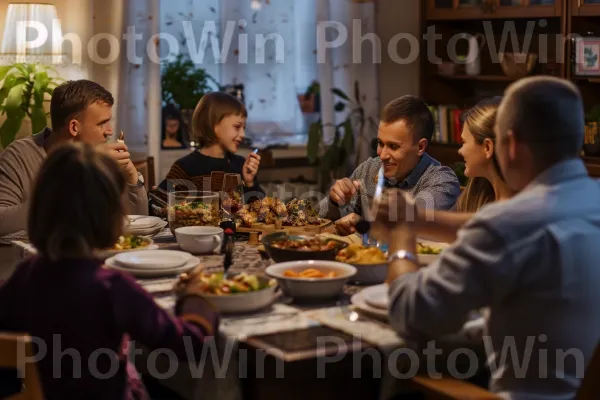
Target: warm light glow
[255,5]
[32,30]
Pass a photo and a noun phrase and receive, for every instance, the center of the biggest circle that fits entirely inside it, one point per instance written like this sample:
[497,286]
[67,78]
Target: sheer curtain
[270,46]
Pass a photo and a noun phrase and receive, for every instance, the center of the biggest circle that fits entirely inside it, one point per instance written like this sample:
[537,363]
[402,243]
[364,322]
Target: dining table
[316,350]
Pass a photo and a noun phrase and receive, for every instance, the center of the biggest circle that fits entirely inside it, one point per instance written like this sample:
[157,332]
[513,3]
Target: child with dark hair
[64,292]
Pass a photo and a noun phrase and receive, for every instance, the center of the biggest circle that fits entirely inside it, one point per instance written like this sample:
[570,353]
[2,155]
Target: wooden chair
[454,389]
[10,347]
[146,168]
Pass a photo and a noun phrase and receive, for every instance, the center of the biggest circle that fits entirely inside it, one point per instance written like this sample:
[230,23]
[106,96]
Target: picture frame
[587,56]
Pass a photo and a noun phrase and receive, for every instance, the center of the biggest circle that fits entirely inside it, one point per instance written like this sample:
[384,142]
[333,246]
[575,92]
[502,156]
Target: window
[268,46]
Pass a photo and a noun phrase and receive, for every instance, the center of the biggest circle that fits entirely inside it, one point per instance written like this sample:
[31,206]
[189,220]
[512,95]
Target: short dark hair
[71,98]
[211,110]
[547,112]
[414,112]
[77,204]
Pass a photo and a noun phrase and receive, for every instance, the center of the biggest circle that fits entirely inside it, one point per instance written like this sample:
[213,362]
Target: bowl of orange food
[311,279]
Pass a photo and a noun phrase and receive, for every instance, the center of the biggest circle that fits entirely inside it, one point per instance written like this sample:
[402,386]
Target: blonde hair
[211,110]
[480,121]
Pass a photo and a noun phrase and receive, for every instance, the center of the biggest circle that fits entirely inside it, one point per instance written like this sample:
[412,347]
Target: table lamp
[39,40]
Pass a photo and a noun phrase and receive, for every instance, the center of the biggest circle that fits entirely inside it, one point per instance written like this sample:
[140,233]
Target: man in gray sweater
[405,130]
[80,111]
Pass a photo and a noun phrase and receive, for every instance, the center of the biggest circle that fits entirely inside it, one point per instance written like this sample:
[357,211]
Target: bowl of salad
[236,293]
[428,252]
[193,208]
[127,243]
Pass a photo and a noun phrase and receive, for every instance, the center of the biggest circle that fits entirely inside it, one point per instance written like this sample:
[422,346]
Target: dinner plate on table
[153,259]
[359,300]
[192,263]
[377,296]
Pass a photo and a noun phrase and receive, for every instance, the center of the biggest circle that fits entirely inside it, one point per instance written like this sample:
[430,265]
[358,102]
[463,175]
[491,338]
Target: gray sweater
[19,164]
[433,185]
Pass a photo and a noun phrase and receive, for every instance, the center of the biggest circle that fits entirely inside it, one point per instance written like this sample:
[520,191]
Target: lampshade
[42,38]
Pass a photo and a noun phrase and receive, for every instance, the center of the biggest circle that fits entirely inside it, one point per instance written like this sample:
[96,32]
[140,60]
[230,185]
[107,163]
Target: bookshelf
[552,21]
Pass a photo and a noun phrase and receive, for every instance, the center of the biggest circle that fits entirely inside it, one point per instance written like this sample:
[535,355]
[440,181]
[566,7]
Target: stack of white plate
[152,263]
[373,300]
[143,225]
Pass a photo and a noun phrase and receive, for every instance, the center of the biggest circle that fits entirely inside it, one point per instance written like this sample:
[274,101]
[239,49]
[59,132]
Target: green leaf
[9,82]
[39,87]
[339,106]
[9,130]
[14,101]
[314,141]
[22,68]
[341,94]
[38,118]
[4,71]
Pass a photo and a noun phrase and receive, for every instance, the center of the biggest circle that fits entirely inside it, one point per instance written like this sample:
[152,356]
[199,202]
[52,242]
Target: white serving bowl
[244,302]
[312,288]
[370,274]
[199,239]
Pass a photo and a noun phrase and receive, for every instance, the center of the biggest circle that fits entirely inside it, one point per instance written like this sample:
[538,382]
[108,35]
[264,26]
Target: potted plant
[24,91]
[310,101]
[184,85]
[332,159]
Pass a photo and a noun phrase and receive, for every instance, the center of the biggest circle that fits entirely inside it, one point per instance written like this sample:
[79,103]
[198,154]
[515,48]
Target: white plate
[377,296]
[192,263]
[137,222]
[148,231]
[359,300]
[153,259]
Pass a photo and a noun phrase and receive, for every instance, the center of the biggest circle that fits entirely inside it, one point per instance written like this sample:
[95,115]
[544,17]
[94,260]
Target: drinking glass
[232,194]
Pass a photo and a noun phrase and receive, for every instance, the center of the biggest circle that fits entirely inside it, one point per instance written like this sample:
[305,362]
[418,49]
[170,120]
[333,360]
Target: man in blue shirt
[532,260]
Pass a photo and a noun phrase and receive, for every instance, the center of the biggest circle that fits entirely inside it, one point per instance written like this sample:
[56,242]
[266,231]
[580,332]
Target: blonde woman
[485,184]
[485,179]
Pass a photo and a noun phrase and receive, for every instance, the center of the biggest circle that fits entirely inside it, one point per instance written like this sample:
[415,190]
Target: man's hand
[395,217]
[342,191]
[347,225]
[119,152]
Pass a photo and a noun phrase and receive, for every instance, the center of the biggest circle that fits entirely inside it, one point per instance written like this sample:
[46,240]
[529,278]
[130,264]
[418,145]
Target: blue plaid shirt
[432,184]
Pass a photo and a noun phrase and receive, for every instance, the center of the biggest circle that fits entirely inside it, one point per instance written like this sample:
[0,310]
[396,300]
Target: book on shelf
[448,124]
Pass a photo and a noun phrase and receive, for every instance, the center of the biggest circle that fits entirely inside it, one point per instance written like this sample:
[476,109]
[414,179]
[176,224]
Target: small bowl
[370,274]
[239,303]
[284,255]
[312,288]
[199,239]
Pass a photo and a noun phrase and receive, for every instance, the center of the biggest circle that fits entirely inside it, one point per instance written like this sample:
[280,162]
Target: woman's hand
[250,169]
